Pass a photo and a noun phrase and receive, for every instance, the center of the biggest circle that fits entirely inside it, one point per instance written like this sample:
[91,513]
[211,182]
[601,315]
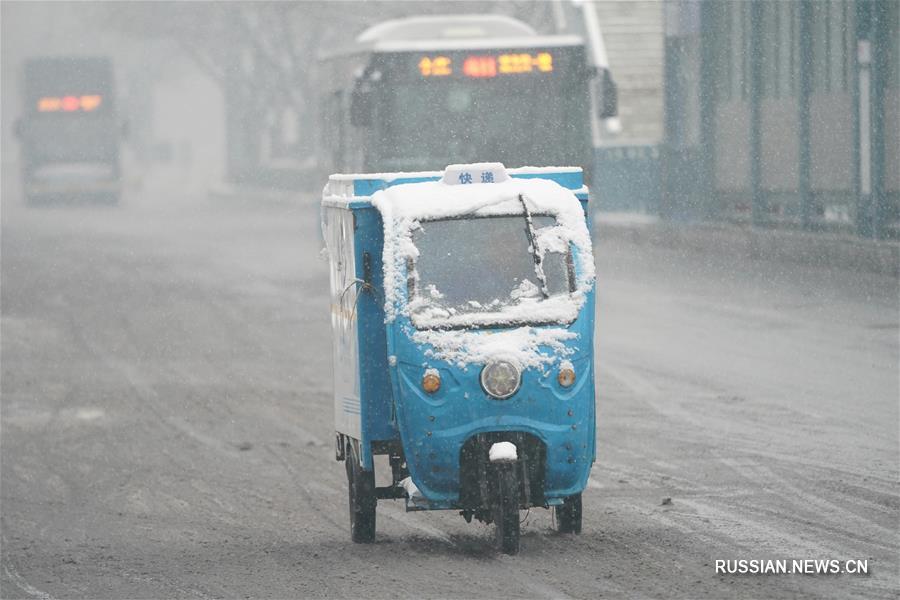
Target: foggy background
[729,113]
[217,92]
[166,418]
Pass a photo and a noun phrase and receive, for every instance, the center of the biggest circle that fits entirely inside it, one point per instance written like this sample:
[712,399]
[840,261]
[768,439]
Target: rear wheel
[506,509]
[361,485]
[568,516]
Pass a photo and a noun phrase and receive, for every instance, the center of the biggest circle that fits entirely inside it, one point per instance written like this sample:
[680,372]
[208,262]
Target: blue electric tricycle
[462,307]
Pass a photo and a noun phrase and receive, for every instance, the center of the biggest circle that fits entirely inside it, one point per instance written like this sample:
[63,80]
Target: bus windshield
[540,115]
[481,271]
[442,122]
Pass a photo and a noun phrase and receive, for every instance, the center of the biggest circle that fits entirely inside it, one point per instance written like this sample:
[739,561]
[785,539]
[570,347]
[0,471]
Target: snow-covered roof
[348,190]
[392,176]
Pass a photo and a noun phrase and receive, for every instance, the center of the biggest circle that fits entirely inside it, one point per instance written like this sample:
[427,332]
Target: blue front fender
[434,427]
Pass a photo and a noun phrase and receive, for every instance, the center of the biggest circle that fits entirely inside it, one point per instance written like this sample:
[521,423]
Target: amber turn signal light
[566,377]
[431,382]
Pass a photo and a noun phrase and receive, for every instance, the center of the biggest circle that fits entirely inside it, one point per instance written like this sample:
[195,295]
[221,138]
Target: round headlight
[501,379]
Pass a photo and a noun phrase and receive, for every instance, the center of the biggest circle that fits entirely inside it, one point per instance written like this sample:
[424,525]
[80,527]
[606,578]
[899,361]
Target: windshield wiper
[538,267]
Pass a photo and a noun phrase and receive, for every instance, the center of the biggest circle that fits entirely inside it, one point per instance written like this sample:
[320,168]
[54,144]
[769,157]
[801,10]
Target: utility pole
[872,46]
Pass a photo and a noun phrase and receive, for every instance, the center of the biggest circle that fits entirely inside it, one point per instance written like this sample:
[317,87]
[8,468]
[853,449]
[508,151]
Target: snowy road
[166,424]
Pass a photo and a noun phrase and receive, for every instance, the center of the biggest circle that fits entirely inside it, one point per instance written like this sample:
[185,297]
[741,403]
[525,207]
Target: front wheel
[361,485]
[568,516]
[506,510]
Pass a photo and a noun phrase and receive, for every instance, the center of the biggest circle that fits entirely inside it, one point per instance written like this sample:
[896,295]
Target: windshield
[539,114]
[483,267]
[509,121]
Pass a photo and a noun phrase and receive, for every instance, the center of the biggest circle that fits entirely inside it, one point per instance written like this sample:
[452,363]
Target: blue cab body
[379,404]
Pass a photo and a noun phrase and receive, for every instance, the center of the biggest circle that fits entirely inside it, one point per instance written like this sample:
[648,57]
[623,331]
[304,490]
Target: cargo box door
[338,231]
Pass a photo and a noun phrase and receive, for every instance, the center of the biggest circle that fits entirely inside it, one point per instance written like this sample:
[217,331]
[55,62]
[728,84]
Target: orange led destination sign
[439,66]
[525,63]
[69,103]
[484,66]
[480,66]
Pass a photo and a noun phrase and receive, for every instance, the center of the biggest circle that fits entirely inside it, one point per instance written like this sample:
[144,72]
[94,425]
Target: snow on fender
[412,492]
[502,452]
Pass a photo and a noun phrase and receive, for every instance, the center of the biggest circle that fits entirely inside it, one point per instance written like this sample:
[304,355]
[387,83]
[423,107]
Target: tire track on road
[12,575]
[856,527]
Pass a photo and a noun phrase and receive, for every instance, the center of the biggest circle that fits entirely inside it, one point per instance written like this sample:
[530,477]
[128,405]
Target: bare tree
[263,56]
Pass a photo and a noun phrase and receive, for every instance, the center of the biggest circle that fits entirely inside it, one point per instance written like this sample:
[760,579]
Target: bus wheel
[568,516]
[361,485]
[506,509]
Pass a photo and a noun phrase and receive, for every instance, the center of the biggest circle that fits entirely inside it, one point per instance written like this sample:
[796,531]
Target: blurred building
[626,166]
[270,136]
[783,113]
[633,33]
[172,110]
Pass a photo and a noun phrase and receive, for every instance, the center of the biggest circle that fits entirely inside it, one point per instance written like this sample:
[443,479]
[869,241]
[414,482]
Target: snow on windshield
[475,270]
[445,260]
[462,254]
[451,290]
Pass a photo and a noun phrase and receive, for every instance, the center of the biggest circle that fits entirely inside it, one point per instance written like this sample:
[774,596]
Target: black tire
[361,487]
[568,516]
[506,509]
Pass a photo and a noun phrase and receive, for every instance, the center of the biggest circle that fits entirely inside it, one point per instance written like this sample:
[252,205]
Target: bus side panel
[379,422]
[337,226]
[341,144]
